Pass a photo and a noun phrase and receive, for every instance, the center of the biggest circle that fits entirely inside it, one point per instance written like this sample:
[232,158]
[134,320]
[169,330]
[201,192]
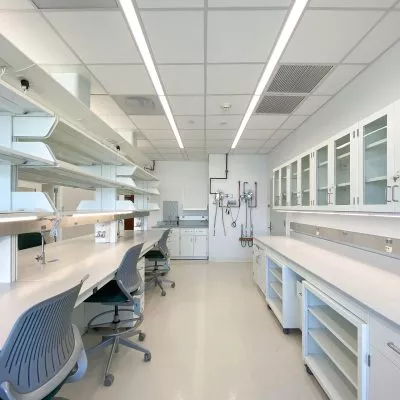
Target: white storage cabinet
[335,346]
[194,243]
[260,267]
[173,243]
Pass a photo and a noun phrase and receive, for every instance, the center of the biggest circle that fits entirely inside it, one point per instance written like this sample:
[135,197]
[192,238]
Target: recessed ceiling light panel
[74,4]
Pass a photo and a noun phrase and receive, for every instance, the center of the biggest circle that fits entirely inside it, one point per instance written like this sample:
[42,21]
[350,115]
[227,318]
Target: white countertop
[373,287]
[75,259]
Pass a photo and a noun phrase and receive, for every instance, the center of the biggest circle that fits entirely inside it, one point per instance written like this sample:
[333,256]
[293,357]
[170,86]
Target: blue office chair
[43,351]
[158,264]
[120,292]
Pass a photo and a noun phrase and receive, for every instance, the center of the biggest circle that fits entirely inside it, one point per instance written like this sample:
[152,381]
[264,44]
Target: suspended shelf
[376,144]
[15,155]
[376,179]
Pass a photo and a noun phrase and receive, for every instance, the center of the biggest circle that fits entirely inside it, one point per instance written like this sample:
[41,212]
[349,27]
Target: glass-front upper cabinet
[277,196]
[284,185]
[322,190]
[305,164]
[376,149]
[294,187]
[342,170]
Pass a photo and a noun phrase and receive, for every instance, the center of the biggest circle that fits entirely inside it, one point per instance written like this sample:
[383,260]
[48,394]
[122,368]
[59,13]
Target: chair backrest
[127,272]
[162,243]
[40,343]
[29,240]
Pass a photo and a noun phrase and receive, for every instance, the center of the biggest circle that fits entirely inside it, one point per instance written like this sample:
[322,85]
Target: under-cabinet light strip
[290,24]
[19,219]
[137,32]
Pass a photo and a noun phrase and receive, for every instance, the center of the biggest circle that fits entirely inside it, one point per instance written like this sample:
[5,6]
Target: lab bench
[350,330]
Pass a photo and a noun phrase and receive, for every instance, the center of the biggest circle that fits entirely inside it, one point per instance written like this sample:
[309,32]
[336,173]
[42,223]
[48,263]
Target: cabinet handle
[393,193]
[394,347]
[386,194]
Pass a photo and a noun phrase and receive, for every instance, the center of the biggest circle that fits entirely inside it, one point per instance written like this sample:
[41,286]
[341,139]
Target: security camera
[25,85]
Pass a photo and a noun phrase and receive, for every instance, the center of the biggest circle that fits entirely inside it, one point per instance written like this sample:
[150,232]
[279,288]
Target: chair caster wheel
[142,336]
[147,357]
[163,293]
[173,285]
[309,372]
[108,380]
[269,308]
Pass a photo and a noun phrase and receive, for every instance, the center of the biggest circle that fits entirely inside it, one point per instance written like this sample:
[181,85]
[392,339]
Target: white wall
[248,168]
[375,88]
[183,181]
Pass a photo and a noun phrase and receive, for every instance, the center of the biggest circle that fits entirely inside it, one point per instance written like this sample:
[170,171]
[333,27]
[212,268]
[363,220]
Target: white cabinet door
[377,138]
[294,188]
[200,246]
[322,162]
[277,188]
[187,245]
[384,378]
[396,177]
[305,180]
[284,174]
[173,246]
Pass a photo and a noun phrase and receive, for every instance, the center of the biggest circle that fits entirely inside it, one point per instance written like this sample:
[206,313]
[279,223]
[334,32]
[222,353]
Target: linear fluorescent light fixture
[101,214]
[18,219]
[290,24]
[137,32]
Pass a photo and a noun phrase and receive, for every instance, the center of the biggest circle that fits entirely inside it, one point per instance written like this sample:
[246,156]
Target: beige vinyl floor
[211,338]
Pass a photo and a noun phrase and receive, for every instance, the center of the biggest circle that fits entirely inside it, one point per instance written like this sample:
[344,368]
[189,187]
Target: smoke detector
[226,107]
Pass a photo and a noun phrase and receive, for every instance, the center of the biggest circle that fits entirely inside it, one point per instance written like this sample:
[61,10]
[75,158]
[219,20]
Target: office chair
[155,272]
[43,351]
[118,293]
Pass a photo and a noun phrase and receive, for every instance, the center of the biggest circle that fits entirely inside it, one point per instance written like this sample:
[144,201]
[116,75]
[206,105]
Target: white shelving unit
[260,267]
[281,294]
[334,346]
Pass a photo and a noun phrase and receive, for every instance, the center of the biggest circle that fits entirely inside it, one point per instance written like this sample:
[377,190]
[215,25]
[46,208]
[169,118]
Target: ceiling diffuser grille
[278,104]
[139,105]
[298,78]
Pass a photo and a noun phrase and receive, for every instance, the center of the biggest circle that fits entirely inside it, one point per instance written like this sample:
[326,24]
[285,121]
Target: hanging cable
[234,220]
[215,215]
[223,222]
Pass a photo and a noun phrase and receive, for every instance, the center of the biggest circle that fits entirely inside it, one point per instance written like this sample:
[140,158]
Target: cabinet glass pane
[293,184]
[284,186]
[342,170]
[276,188]
[305,181]
[322,176]
[375,161]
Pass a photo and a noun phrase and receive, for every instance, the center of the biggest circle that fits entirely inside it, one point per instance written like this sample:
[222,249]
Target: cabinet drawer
[201,231]
[187,231]
[385,338]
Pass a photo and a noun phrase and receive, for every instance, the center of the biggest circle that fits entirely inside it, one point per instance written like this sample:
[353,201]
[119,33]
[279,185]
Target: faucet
[42,256]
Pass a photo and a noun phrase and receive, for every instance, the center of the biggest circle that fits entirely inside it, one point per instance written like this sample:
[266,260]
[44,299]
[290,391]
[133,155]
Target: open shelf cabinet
[334,346]
[281,293]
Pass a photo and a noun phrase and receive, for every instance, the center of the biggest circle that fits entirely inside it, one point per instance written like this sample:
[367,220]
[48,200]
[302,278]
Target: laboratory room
[200,199]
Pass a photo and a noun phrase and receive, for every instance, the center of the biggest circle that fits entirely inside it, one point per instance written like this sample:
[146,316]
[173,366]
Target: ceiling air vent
[140,105]
[298,78]
[278,104]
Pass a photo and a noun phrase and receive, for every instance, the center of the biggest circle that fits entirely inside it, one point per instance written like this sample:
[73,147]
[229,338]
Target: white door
[200,246]
[186,246]
[384,378]
[377,138]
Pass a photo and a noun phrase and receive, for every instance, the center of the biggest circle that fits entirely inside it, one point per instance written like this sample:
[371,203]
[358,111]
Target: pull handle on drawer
[395,348]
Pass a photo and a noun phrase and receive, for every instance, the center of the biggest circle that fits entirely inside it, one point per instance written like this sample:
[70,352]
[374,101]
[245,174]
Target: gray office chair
[120,292]
[43,351]
[155,273]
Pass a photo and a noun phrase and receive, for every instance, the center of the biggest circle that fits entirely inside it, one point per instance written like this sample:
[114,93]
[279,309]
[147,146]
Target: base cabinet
[260,267]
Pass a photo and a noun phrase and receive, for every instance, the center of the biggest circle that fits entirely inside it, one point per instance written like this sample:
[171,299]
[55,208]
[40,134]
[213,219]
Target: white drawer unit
[281,294]
[201,232]
[260,267]
[335,346]
[173,243]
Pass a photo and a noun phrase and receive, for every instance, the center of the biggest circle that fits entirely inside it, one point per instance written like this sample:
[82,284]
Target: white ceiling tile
[96,36]
[175,36]
[189,122]
[36,38]
[266,121]
[169,3]
[16,5]
[249,3]
[192,134]
[311,104]
[104,105]
[331,44]
[169,150]
[218,150]
[198,156]
[233,78]
[218,143]
[238,104]
[294,121]
[165,143]
[187,105]
[247,150]
[250,143]
[227,43]
[220,135]
[378,40]
[123,79]
[223,121]
[194,143]
[157,134]
[339,77]
[398,5]
[75,4]
[257,134]
[118,122]
[352,3]
[144,122]
[182,79]
[143,144]
[280,134]
[174,157]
